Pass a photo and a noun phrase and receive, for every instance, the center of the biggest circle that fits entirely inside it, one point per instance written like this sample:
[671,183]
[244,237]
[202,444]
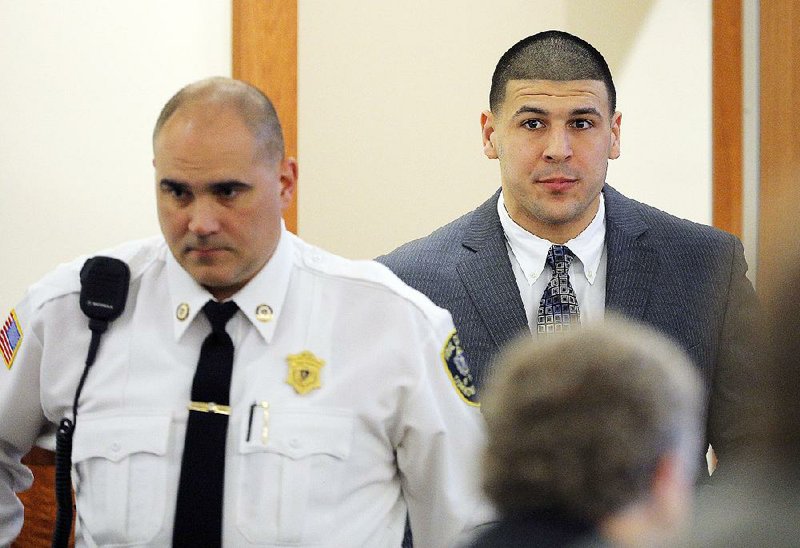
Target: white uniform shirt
[338,466]
[587,272]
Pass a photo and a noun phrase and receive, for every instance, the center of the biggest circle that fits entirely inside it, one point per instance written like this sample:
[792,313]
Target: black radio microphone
[104,291]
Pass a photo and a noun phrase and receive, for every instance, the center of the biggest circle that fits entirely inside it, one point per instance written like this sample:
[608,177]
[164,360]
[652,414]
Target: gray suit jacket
[685,279]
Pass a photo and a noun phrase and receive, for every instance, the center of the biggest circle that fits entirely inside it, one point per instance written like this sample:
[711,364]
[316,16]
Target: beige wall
[83,82]
[389,98]
[390,95]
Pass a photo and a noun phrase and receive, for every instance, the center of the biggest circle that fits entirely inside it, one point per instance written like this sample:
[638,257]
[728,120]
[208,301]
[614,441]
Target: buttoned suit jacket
[685,279]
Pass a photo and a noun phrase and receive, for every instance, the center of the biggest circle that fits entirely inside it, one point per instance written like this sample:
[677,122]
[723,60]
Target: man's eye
[533,124]
[227,191]
[582,124]
[177,192]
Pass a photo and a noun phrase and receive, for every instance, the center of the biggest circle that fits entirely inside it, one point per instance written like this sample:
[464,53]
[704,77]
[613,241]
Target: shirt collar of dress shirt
[268,287]
[531,250]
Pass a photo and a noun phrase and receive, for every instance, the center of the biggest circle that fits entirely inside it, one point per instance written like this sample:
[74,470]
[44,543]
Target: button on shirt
[587,273]
[340,465]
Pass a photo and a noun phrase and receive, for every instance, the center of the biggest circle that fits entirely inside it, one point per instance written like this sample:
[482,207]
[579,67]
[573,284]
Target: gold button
[182,312]
[263,313]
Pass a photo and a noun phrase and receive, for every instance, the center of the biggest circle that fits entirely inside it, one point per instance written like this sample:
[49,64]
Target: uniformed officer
[350,402]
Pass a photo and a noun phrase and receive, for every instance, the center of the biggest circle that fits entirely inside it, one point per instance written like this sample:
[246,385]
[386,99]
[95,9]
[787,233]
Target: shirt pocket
[120,474]
[290,473]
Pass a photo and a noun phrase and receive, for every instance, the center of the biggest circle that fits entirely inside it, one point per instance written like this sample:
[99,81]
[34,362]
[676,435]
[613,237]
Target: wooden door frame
[265,54]
[727,115]
[779,150]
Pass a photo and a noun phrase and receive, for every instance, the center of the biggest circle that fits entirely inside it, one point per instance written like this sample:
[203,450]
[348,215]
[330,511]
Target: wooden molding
[726,115]
[779,193]
[265,55]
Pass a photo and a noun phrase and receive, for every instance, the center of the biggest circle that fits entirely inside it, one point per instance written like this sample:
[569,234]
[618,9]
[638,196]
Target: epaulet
[65,278]
[368,272]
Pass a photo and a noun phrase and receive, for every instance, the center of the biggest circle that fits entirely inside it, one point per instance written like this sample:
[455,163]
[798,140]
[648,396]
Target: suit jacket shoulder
[632,217]
[464,267]
[418,258]
[653,255]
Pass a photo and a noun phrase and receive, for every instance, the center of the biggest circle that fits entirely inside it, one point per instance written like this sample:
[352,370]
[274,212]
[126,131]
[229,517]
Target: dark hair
[255,108]
[550,55]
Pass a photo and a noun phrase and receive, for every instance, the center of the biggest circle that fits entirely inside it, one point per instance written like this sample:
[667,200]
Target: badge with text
[10,339]
[455,362]
[304,371]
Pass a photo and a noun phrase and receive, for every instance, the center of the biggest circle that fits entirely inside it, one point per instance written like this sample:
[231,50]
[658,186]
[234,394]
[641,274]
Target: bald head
[219,93]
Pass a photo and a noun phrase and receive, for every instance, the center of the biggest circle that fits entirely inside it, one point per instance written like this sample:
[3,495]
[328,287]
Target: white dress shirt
[338,466]
[587,272]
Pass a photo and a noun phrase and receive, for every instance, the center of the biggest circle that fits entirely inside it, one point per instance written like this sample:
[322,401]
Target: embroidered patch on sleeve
[10,339]
[455,362]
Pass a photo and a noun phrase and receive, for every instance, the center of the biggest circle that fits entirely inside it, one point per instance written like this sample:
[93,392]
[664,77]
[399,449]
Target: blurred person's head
[600,425]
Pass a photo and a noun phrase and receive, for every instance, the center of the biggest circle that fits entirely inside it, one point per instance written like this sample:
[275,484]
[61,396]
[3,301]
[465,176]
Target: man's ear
[616,124]
[288,175]
[488,135]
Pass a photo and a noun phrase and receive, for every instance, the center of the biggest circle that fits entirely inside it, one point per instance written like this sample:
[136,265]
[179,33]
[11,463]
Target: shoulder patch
[455,363]
[10,339]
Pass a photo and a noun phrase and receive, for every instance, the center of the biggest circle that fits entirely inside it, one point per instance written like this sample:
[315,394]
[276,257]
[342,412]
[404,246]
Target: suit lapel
[631,262]
[487,276]
[489,281]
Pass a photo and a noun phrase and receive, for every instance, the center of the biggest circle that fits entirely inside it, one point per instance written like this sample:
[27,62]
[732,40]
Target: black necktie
[558,309]
[198,514]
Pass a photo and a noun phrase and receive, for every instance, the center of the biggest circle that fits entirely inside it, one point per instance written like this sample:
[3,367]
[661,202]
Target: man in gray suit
[557,246]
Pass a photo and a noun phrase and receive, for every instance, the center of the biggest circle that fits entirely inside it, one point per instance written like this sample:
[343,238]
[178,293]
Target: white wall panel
[83,82]
[390,95]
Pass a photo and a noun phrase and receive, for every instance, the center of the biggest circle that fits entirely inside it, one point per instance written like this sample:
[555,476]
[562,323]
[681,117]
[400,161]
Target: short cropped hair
[254,107]
[577,423]
[550,55]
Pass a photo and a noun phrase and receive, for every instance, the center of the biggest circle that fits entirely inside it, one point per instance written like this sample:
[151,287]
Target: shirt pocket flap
[299,433]
[115,438]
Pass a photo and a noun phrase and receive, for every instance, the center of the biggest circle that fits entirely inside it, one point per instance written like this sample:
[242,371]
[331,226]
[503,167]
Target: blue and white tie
[558,309]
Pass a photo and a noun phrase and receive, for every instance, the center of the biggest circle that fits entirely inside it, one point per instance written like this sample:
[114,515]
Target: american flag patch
[10,337]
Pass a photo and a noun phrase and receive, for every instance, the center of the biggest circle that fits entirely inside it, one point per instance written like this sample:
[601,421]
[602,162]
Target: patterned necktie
[198,513]
[558,309]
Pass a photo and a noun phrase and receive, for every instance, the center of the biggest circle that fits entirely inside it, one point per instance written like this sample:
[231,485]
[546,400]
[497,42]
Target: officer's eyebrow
[171,184]
[232,183]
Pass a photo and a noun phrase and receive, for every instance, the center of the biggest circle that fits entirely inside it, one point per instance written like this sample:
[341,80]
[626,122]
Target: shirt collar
[261,300]
[531,250]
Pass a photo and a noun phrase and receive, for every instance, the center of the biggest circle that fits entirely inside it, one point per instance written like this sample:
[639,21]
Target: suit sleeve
[439,451]
[21,420]
[733,408]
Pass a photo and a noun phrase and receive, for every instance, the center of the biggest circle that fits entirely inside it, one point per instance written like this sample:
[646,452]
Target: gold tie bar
[210,407]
